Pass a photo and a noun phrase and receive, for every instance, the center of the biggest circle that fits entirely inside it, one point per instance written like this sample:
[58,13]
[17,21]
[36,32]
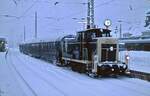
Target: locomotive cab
[105,60]
[101,50]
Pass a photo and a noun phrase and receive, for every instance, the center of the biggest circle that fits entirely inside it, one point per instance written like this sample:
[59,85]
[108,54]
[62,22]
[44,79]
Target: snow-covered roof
[2,38]
[52,39]
[135,41]
[40,40]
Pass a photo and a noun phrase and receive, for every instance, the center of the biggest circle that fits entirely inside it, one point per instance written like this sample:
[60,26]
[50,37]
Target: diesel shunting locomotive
[92,51]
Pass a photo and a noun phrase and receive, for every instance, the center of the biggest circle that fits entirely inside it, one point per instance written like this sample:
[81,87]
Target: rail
[140,75]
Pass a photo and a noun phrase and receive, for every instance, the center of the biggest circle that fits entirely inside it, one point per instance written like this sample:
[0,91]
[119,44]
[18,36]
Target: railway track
[59,79]
[48,83]
[22,78]
[140,75]
[61,74]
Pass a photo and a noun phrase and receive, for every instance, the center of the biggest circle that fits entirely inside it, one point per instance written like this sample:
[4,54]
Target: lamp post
[125,22]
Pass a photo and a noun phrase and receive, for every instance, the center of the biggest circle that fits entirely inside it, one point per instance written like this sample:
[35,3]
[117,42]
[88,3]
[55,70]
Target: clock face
[107,23]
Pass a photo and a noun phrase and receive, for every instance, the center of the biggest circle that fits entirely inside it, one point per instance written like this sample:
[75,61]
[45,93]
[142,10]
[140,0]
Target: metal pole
[90,14]
[35,25]
[120,30]
[24,35]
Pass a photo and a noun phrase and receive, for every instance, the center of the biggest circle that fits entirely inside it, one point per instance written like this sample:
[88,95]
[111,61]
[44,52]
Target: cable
[80,12]
[28,9]
[65,17]
[107,2]
[15,2]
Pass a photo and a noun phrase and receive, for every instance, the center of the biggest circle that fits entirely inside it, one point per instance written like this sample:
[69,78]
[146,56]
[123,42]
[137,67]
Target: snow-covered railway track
[123,83]
[49,84]
[78,87]
[140,75]
[64,82]
[22,78]
[127,85]
[132,80]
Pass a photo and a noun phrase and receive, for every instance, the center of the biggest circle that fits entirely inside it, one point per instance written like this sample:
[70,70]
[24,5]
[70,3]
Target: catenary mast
[90,15]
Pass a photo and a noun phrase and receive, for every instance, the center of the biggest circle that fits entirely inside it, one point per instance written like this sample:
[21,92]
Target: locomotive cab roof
[97,31]
[88,34]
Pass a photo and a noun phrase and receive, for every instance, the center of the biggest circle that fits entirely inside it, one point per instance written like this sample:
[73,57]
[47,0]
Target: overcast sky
[55,19]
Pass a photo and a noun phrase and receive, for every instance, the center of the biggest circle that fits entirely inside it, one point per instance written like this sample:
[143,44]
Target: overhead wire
[28,9]
[61,18]
[65,17]
[80,12]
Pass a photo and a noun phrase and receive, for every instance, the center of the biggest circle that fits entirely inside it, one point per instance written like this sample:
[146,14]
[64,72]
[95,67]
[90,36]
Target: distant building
[146,33]
[127,35]
[147,21]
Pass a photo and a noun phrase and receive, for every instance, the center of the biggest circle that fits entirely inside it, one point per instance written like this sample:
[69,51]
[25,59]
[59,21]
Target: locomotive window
[107,53]
[79,36]
[93,35]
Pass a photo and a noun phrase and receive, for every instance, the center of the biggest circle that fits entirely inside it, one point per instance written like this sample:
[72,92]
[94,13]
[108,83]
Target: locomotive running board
[76,60]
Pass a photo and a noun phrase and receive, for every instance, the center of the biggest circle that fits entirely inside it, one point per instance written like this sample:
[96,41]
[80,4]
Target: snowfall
[21,75]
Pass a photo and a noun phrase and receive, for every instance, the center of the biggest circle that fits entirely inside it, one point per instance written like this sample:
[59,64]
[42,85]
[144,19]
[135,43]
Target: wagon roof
[52,39]
[2,39]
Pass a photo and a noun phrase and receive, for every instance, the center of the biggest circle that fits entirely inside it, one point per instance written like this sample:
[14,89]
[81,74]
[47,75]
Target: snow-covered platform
[139,60]
[26,76]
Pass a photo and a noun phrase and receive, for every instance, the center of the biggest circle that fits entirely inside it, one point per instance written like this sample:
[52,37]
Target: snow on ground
[8,79]
[139,60]
[33,77]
